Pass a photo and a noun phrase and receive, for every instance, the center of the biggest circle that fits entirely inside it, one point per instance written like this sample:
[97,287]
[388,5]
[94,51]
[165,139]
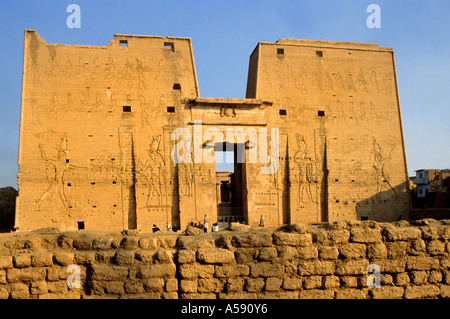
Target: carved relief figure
[60,165]
[152,172]
[307,171]
[380,160]
[362,81]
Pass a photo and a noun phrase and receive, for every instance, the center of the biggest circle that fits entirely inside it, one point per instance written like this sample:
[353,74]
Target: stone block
[365,235]
[387,292]
[291,239]
[238,295]
[376,250]
[57,286]
[328,252]
[22,260]
[445,292]
[189,271]
[402,233]
[402,279]
[285,253]
[316,267]
[19,291]
[423,291]
[113,287]
[350,293]
[6,262]
[215,256]
[273,283]
[397,250]
[25,274]
[210,285]
[339,236]
[63,258]
[165,256]
[308,252]
[101,243]
[254,284]
[246,255]
[171,285]
[418,277]
[421,263]
[124,257]
[130,243]
[38,287]
[312,282]
[435,248]
[234,270]
[266,270]
[134,287]
[4,293]
[145,256]
[154,285]
[268,253]
[42,260]
[109,273]
[185,256]
[351,267]
[188,285]
[157,271]
[330,282]
[316,294]
[235,284]
[252,240]
[352,251]
[292,283]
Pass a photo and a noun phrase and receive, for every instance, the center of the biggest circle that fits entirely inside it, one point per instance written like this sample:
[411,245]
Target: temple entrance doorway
[230,183]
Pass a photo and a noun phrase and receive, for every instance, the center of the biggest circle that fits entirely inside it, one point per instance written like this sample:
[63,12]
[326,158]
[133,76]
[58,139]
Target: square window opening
[319,54]
[321,113]
[280,51]
[80,225]
[283,112]
[169,46]
[171,109]
[177,86]
[123,43]
[126,108]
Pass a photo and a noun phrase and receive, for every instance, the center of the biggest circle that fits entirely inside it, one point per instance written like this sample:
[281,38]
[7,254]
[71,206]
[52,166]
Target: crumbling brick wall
[296,261]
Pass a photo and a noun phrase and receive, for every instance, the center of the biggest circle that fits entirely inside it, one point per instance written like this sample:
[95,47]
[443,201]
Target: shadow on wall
[7,208]
[389,204]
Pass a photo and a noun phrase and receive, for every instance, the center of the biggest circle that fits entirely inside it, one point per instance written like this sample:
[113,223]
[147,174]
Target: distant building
[431,188]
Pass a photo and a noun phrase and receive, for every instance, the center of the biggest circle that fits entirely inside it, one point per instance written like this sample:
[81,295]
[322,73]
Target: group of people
[204,226]
[168,227]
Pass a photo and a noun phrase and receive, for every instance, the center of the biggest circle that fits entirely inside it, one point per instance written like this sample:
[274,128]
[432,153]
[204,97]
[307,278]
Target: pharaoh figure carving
[380,160]
[307,171]
[152,173]
[60,165]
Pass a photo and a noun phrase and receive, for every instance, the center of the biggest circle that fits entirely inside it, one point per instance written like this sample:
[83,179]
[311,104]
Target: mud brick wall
[296,261]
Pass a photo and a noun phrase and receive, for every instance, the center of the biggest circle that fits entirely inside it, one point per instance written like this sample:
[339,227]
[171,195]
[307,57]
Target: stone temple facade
[117,137]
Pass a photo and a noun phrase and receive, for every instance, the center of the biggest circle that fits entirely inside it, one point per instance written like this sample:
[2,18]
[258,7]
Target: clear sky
[224,34]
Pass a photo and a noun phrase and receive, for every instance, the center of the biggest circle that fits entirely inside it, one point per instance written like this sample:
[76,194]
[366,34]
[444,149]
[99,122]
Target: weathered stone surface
[365,235]
[423,291]
[109,273]
[316,267]
[157,271]
[352,267]
[407,233]
[215,256]
[266,270]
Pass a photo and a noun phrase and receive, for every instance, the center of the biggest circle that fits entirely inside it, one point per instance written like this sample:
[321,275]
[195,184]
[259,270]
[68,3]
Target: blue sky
[224,33]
